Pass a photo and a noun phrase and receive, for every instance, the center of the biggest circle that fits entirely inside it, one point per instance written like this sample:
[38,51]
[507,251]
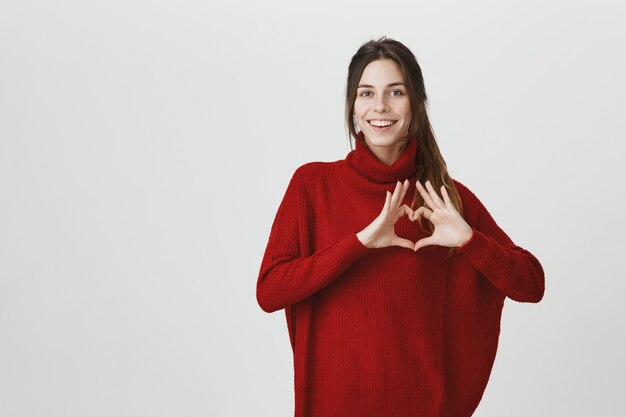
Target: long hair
[430,164]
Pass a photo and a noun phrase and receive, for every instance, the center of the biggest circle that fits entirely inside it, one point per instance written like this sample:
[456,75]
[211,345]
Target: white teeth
[381,123]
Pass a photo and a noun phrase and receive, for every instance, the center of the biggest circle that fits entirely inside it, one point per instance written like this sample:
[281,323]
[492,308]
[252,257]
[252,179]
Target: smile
[381,124]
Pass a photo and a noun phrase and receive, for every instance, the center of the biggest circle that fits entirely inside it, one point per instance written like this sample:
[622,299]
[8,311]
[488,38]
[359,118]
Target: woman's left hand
[451,229]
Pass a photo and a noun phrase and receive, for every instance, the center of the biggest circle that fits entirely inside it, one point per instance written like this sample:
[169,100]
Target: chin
[378,139]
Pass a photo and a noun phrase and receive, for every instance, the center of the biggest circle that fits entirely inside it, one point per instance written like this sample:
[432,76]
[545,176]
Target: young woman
[393,293]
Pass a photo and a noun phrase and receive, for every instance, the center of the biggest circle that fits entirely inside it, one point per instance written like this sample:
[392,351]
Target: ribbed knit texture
[388,331]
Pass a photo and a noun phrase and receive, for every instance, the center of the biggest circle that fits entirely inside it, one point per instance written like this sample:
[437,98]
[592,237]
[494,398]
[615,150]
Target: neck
[388,154]
[383,164]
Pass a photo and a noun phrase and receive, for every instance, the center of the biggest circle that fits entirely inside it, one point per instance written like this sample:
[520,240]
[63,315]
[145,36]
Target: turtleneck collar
[366,163]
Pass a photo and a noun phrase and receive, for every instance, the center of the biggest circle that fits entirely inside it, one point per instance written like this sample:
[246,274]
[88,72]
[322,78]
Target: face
[381,108]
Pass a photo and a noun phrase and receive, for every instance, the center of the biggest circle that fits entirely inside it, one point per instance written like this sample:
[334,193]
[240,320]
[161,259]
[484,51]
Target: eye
[364,93]
[396,91]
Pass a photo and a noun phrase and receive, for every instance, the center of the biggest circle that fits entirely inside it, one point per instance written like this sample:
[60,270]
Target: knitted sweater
[386,331]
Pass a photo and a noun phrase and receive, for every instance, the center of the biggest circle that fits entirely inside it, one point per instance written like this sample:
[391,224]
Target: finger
[423,242]
[387,204]
[394,197]
[434,195]
[405,187]
[422,211]
[407,210]
[425,195]
[417,213]
[446,197]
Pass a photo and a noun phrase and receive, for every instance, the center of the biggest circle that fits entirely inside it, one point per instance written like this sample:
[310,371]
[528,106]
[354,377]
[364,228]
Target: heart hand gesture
[451,229]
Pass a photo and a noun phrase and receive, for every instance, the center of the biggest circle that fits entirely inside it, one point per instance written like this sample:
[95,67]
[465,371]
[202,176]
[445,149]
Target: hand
[380,233]
[450,228]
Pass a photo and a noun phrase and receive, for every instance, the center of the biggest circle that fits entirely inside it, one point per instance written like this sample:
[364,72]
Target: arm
[510,268]
[286,277]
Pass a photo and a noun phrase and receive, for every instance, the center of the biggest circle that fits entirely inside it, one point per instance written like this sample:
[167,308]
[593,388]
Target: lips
[381,127]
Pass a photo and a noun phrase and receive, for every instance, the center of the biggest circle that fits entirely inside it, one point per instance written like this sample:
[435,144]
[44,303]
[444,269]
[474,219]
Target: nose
[381,103]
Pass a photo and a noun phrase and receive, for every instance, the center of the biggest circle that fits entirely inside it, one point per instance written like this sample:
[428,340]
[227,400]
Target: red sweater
[386,331]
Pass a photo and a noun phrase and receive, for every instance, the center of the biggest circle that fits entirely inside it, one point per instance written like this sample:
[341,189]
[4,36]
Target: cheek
[359,108]
[406,111]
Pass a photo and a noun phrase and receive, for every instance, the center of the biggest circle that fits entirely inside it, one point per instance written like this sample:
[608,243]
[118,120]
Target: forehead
[382,72]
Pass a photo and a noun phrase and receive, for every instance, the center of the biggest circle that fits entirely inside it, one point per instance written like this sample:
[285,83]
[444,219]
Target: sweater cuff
[477,245]
[354,246]
[345,252]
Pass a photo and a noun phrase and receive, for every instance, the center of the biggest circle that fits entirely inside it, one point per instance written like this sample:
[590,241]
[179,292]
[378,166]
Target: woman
[387,317]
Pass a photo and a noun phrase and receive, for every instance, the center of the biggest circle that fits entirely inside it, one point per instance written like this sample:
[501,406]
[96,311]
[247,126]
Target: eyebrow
[371,86]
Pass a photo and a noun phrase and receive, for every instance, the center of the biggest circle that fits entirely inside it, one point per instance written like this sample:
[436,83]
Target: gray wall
[145,147]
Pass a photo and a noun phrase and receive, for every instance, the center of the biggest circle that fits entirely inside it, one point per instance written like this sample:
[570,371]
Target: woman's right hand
[381,233]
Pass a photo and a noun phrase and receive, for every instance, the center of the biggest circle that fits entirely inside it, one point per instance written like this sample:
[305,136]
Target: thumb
[424,242]
[405,243]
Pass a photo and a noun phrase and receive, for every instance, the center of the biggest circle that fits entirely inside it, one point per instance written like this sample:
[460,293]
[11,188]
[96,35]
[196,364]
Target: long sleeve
[513,270]
[286,277]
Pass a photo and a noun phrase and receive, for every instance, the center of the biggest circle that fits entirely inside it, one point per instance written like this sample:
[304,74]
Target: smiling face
[382,107]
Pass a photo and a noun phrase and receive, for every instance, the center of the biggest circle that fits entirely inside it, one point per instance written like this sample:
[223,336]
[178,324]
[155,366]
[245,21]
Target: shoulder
[463,190]
[310,178]
[315,167]
[472,205]
[311,174]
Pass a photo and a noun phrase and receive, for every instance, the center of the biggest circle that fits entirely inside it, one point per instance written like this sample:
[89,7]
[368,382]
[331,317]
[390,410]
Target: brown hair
[430,164]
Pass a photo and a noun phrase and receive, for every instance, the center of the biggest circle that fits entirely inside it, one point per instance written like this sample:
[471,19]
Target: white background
[145,147]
